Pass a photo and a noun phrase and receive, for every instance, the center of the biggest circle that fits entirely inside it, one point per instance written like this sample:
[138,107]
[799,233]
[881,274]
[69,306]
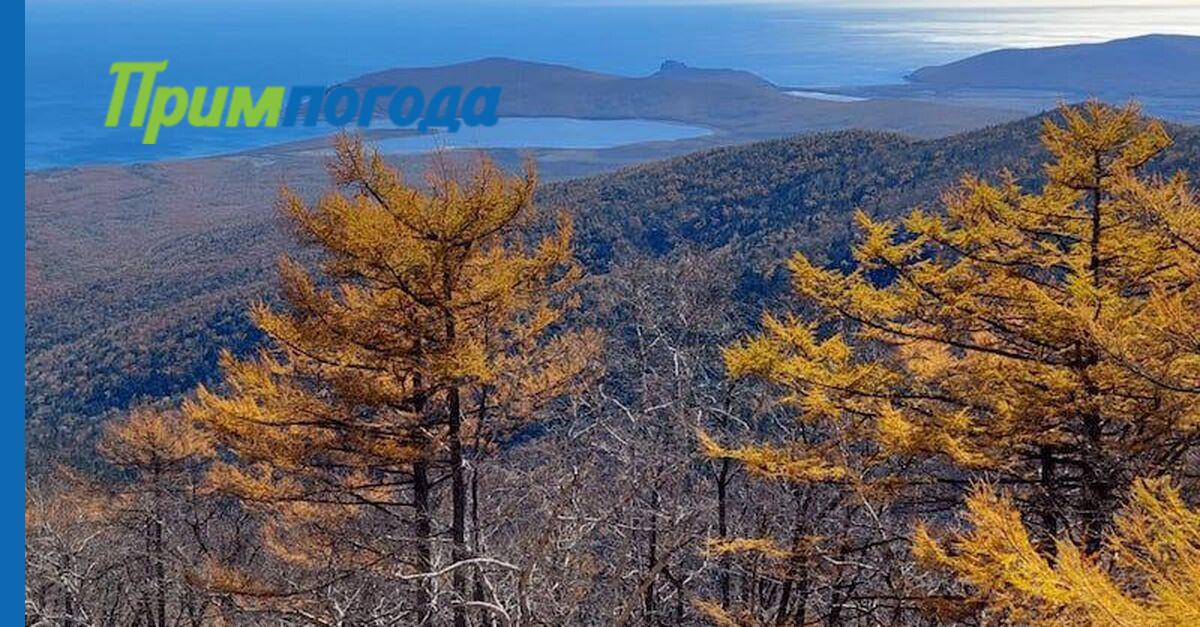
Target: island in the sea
[1162,72]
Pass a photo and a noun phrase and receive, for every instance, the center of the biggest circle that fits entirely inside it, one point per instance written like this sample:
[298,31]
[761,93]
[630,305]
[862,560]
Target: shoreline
[305,147]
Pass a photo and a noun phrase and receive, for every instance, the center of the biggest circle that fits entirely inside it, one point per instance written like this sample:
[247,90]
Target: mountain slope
[1162,65]
[772,197]
[131,301]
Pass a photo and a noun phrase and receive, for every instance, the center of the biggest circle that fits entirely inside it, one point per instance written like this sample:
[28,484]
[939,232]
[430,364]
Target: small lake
[545,132]
[123,145]
[824,95]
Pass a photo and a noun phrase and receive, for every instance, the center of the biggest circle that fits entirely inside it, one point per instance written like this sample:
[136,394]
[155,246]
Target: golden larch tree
[1045,340]
[436,332]
[163,452]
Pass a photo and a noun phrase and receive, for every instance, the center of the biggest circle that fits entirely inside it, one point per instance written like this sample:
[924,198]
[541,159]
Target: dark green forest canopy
[96,351]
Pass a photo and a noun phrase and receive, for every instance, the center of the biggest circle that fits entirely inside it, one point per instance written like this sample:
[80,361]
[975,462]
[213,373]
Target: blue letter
[396,106]
[368,107]
[437,115]
[331,106]
[487,117]
[315,94]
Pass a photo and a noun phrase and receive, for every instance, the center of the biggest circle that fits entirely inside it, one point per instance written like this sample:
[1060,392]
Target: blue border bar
[12,444]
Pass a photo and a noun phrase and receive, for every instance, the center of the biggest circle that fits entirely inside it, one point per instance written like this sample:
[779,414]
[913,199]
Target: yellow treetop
[150,439]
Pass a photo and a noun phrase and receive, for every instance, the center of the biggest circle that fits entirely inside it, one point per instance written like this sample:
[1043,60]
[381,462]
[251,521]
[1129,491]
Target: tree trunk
[651,563]
[723,526]
[1049,481]
[422,529]
[795,563]
[156,539]
[458,484]
[458,496]
[1095,487]
[485,617]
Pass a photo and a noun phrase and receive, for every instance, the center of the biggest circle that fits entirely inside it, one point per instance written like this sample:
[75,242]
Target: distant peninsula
[1160,65]
[736,103]
[1162,72]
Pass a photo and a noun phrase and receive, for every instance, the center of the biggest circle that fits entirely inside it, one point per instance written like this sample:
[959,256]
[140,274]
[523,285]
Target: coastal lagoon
[545,133]
[111,145]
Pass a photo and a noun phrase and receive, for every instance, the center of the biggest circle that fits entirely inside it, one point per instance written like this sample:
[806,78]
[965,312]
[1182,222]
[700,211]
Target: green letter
[242,106]
[123,69]
[213,118]
[158,114]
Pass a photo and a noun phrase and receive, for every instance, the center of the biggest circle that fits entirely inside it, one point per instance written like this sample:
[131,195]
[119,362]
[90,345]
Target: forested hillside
[152,327]
[772,197]
[974,402]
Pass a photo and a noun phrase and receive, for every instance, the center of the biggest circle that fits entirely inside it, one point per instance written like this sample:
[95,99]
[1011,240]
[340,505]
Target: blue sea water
[69,45]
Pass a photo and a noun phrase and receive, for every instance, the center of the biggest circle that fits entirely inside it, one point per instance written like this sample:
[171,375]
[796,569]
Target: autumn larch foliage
[125,543]
[162,450]
[1150,576]
[1045,340]
[435,334]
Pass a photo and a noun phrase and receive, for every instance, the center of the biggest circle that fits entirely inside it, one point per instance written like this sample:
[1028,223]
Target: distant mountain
[735,103]
[1162,65]
[677,70]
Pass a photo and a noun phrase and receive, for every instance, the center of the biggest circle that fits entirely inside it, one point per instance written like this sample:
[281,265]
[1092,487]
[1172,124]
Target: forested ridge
[770,198]
[116,341]
[846,379]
